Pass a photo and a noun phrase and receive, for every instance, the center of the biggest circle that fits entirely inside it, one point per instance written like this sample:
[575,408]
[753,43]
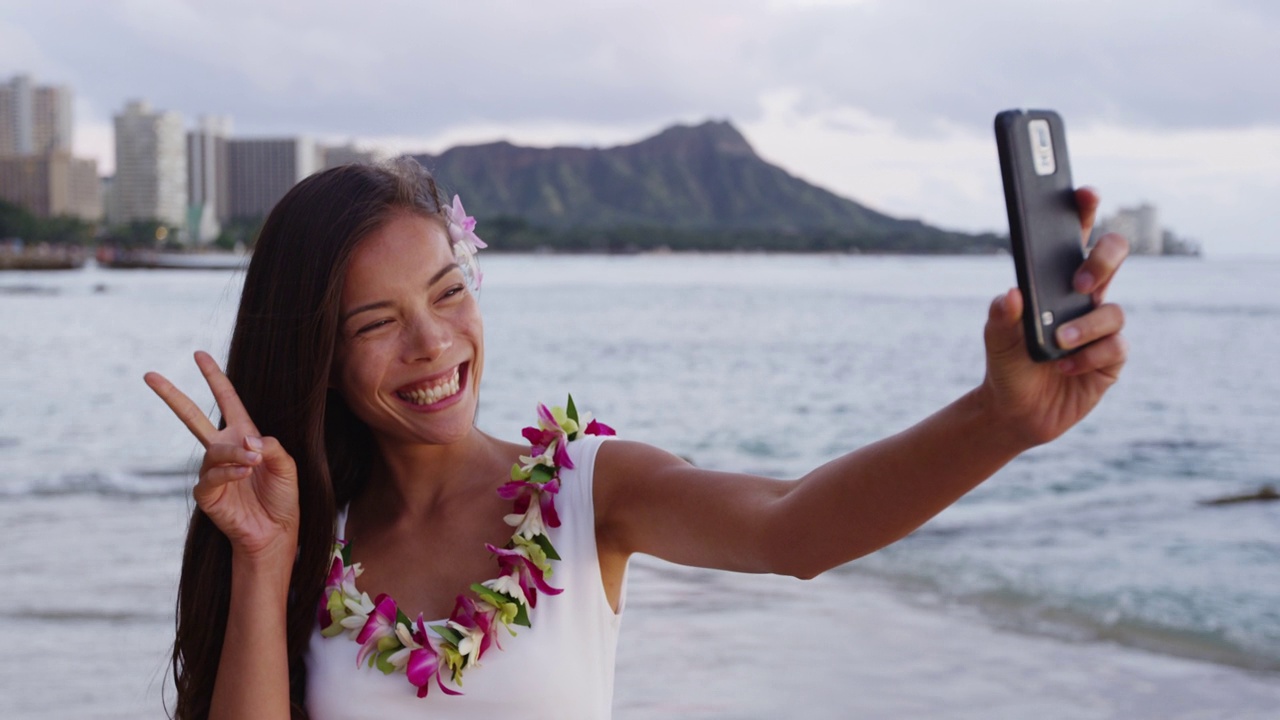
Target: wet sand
[713,645]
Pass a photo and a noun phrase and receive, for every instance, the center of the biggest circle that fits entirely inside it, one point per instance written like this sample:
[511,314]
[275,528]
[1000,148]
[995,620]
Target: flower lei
[392,642]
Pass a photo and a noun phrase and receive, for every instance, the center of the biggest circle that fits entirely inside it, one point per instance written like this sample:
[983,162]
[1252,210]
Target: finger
[1105,357]
[1096,272]
[274,457]
[1087,201]
[220,454]
[1003,333]
[215,478]
[1102,321]
[224,392]
[187,411]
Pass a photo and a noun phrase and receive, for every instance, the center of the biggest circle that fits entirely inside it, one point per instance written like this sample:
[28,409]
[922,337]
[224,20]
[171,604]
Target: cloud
[886,101]
[400,67]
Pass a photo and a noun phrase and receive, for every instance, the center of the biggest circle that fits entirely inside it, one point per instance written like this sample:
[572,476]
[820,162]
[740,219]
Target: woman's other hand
[1037,402]
[248,484]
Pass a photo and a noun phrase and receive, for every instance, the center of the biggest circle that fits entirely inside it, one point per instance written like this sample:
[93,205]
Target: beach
[1086,580]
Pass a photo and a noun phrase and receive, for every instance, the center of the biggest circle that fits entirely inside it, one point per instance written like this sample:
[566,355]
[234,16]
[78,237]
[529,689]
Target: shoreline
[847,646]
[1028,615]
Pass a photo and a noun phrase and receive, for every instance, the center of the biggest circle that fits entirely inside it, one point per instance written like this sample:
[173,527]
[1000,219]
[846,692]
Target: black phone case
[1044,229]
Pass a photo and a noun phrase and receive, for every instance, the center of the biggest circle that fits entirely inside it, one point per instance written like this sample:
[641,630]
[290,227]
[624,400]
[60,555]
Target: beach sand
[700,644]
[695,644]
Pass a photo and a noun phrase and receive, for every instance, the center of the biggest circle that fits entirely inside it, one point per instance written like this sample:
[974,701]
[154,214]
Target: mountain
[688,187]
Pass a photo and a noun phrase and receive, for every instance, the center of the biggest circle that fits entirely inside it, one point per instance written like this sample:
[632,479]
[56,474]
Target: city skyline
[886,103]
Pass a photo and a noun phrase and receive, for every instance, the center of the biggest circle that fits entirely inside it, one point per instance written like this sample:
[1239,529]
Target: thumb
[274,458]
[1003,334]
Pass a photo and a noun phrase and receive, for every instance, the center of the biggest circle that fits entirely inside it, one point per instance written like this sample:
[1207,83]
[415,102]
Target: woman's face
[410,340]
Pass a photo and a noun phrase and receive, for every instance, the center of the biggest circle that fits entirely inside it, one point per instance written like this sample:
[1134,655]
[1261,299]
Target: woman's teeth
[433,394]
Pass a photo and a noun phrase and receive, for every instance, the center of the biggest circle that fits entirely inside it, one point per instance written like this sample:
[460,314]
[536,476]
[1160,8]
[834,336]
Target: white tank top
[559,669]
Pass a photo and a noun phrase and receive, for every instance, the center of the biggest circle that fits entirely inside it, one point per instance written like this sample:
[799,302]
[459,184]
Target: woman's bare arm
[248,487]
[652,502]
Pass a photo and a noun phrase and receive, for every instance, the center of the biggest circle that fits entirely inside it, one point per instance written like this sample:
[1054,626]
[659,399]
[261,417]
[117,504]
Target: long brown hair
[280,362]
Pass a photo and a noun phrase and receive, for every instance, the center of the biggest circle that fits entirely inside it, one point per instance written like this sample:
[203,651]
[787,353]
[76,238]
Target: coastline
[695,643]
[831,648]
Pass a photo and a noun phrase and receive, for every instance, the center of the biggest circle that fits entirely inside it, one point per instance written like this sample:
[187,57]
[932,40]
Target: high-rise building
[51,184]
[261,171]
[151,167]
[1141,227]
[34,119]
[208,192]
[37,170]
[51,119]
[335,155]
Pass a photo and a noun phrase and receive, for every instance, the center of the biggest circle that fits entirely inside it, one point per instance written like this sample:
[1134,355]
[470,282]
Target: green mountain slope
[689,187]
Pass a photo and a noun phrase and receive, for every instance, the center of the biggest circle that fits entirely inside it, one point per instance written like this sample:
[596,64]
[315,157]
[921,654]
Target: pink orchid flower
[526,572]
[462,227]
[595,427]
[340,585]
[549,436]
[476,625]
[380,625]
[425,662]
[528,516]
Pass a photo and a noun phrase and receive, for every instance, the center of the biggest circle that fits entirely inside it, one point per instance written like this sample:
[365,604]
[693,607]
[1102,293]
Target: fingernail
[1084,282]
[253,442]
[253,457]
[1068,335]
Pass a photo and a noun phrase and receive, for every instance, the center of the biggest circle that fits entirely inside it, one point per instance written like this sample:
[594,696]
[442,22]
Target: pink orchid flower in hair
[462,227]
[465,242]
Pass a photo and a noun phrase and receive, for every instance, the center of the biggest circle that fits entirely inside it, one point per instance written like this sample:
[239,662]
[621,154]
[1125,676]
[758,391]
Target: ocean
[1097,549]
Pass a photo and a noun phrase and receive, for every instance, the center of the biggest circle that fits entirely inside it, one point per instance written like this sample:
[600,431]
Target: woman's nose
[429,337]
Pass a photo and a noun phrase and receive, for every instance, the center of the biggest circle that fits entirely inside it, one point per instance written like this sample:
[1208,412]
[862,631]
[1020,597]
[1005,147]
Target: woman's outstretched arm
[652,502]
[248,487]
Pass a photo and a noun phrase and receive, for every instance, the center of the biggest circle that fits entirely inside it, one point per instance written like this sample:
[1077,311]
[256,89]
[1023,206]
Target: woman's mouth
[433,390]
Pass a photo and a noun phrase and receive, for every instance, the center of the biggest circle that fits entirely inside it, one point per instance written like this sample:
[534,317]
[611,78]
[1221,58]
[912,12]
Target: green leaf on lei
[544,542]
[541,474]
[534,552]
[448,634]
[510,610]
[522,616]
[383,661]
[572,410]
[491,596]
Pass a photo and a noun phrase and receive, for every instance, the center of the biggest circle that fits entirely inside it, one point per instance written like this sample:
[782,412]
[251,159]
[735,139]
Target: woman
[359,545]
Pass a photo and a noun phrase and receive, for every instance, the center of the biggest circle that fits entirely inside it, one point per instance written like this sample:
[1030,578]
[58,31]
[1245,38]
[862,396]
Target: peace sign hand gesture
[248,484]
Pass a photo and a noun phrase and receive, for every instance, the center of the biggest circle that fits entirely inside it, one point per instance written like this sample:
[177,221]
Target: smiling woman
[355,530]
[412,341]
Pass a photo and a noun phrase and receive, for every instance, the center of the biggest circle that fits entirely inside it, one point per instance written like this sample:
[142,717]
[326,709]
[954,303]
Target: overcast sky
[889,102]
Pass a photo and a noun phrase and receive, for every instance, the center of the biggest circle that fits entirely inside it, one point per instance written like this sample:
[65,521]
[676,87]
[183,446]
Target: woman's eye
[372,326]
[453,292]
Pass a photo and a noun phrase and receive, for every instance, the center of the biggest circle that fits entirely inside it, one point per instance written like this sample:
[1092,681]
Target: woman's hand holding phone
[1038,401]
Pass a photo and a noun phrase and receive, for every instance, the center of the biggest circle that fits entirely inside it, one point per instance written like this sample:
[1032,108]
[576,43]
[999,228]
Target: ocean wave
[28,290]
[1076,619]
[74,615]
[130,484]
[1251,311]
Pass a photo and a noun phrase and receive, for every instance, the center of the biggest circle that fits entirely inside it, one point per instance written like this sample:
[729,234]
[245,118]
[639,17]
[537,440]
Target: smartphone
[1044,224]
